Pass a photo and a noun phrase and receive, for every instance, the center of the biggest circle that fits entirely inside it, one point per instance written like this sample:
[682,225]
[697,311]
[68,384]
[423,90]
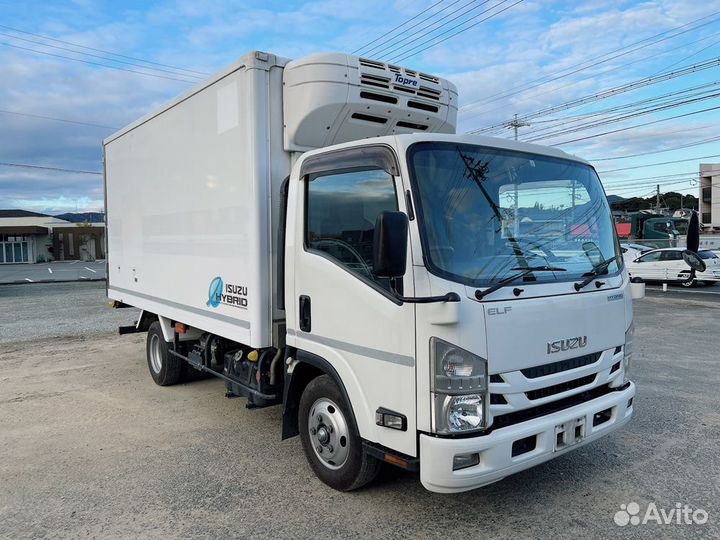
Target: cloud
[530,41]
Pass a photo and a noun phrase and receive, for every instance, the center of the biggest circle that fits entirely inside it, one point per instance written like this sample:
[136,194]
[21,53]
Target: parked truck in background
[653,230]
[313,233]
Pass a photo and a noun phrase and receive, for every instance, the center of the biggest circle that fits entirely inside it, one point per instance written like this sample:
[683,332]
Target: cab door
[343,313]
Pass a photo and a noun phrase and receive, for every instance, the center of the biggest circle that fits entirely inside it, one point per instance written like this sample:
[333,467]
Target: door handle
[305,315]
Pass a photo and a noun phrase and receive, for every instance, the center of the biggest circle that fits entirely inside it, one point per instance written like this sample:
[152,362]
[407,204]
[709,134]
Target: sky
[74,72]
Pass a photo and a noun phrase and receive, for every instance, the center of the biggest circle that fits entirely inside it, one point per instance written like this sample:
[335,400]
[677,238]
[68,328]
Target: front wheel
[330,438]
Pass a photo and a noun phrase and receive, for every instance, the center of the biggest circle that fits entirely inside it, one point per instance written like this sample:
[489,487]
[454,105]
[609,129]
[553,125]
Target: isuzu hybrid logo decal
[566,344]
[227,294]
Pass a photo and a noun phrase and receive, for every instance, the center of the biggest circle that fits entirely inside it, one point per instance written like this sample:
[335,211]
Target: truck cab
[491,381]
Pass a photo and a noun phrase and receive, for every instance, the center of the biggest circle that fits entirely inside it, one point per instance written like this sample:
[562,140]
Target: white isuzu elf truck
[314,233]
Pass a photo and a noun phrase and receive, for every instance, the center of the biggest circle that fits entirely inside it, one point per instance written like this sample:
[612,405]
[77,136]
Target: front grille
[497,399]
[559,388]
[562,365]
[516,417]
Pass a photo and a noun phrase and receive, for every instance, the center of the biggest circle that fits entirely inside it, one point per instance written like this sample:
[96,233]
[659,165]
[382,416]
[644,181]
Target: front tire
[165,368]
[330,438]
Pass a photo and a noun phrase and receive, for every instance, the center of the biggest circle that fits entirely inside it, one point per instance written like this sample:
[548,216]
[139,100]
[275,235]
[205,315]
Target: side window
[671,256]
[341,211]
[651,257]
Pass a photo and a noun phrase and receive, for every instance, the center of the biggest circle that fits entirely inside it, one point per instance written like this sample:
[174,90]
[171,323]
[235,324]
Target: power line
[627,108]
[413,52]
[101,50]
[96,63]
[689,145]
[97,56]
[614,91]
[637,126]
[57,169]
[622,117]
[400,26]
[659,163]
[596,75]
[57,119]
[409,39]
[595,61]
[574,124]
[656,177]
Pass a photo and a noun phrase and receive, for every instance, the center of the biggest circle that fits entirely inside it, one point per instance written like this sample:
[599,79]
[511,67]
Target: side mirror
[693,233]
[694,261]
[690,256]
[390,245]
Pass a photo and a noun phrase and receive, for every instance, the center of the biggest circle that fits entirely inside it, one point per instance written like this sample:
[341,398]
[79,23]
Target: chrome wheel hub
[329,433]
[155,354]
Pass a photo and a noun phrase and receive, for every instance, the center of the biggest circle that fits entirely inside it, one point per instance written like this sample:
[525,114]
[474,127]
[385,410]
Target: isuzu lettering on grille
[566,344]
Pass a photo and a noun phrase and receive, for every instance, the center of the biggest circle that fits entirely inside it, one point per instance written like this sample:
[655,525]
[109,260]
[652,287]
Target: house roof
[15,213]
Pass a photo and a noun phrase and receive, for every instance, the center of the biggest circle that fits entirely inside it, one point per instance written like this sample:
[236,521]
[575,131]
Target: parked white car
[633,251]
[668,264]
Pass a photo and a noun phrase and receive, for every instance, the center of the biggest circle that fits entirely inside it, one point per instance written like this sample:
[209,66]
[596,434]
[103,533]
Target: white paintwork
[649,269]
[323,92]
[496,462]
[189,199]
[346,314]
[192,194]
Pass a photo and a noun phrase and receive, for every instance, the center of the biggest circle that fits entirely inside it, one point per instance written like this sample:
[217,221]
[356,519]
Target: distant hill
[671,200]
[81,217]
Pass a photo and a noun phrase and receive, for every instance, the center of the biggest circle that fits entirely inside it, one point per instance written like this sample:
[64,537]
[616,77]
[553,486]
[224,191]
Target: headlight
[455,370]
[459,388]
[627,352]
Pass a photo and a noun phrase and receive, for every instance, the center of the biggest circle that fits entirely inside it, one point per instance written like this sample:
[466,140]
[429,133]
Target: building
[709,196]
[30,237]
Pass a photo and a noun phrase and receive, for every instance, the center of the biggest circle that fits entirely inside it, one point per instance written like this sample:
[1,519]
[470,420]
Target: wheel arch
[306,367]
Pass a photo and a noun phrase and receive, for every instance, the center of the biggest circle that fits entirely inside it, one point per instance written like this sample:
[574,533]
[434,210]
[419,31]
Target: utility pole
[515,124]
[657,200]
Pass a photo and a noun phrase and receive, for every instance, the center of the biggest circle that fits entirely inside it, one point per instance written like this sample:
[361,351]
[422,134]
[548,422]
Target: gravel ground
[39,310]
[92,448]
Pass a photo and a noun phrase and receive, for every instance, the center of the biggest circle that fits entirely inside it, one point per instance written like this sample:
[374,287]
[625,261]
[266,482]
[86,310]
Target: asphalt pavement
[702,293]
[52,272]
[92,448]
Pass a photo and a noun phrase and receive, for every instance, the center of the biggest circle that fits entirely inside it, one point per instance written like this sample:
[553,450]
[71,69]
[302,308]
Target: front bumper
[495,449]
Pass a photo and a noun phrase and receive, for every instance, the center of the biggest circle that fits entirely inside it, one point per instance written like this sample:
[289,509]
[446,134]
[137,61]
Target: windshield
[487,213]
[681,227]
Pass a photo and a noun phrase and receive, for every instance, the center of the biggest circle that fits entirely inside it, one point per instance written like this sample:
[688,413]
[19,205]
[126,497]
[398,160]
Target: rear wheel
[165,368]
[330,438]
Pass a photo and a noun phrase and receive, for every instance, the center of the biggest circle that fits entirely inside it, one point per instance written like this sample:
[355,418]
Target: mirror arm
[449,297]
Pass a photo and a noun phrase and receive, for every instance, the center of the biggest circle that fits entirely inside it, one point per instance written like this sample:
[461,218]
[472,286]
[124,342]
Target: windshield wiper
[477,171]
[595,272]
[525,271]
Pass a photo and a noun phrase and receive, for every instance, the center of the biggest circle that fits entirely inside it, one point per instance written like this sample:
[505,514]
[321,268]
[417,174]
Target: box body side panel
[188,209]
